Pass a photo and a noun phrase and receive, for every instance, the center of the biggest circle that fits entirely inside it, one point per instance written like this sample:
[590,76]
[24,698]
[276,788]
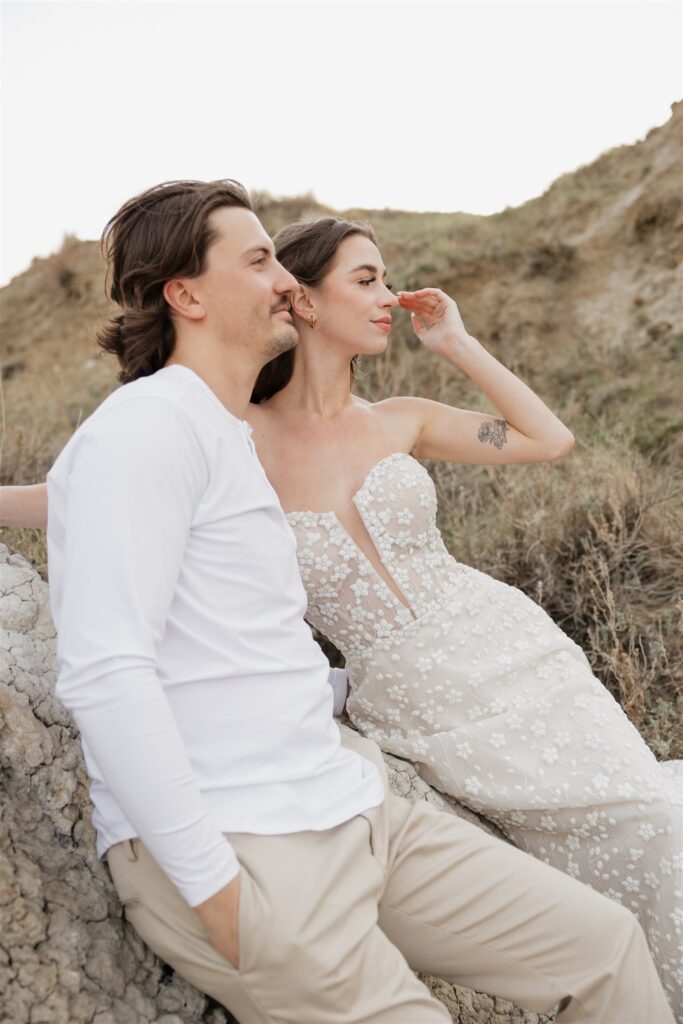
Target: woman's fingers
[424,310]
[430,305]
[422,293]
[412,299]
[424,296]
[417,304]
[414,302]
[419,326]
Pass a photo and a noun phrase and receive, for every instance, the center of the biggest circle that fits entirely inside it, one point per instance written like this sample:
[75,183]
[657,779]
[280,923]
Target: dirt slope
[592,267]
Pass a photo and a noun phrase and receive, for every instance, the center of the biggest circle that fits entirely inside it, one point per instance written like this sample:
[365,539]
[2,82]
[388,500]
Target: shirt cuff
[212,881]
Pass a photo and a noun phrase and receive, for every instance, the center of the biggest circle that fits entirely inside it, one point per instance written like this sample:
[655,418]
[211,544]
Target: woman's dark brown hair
[307,250]
[160,234]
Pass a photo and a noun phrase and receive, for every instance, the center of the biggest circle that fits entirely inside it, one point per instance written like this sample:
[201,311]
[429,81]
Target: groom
[263,860]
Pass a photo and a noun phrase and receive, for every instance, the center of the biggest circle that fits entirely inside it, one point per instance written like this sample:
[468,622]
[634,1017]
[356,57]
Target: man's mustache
[286,305]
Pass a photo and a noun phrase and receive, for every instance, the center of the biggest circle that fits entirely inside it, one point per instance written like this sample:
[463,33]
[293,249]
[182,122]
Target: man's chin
[285,339]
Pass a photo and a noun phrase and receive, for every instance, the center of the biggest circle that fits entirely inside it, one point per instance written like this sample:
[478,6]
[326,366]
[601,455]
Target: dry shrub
[62,266]
[26,451]
[28,462]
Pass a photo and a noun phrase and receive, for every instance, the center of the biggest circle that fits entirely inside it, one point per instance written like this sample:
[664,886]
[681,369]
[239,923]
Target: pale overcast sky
[470,105]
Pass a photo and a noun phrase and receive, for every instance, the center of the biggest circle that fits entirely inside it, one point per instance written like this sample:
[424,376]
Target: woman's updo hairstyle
[307,250]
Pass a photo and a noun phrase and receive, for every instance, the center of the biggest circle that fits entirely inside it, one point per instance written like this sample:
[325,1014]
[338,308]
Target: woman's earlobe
[301,303]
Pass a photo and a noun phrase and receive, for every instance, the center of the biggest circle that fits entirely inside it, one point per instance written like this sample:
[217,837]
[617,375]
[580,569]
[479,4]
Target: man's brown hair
[160,234]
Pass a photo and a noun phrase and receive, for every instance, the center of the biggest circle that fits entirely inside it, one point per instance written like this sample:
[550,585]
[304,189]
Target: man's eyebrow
[369,267]
[256,249]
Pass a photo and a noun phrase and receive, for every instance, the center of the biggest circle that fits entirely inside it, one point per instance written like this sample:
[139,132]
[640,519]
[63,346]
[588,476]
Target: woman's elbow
[562,446]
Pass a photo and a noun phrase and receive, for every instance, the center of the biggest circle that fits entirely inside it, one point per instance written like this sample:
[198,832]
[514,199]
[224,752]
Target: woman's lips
[384,325]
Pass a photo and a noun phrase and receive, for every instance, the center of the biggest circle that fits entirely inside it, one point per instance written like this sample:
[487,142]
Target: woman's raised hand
[436,319]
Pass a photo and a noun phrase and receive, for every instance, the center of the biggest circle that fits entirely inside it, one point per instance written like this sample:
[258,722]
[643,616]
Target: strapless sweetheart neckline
[332,518]
[366,480]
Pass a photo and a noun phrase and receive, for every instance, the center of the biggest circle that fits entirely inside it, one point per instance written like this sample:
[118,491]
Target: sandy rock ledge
[67,955]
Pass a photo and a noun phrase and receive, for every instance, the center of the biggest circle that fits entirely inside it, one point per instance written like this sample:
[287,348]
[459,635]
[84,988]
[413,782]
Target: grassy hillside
[579,292]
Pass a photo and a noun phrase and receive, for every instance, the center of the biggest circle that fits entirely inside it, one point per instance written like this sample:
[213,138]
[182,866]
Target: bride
[456,671]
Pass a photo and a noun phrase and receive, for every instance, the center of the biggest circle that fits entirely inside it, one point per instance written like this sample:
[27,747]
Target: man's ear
[301,302]
[182,300]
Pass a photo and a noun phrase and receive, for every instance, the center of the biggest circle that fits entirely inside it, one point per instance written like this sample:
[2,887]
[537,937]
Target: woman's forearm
[24,506]
[535,433]
[518,404]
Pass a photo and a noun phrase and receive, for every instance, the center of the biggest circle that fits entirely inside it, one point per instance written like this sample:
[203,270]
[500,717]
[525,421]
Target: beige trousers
[332,925]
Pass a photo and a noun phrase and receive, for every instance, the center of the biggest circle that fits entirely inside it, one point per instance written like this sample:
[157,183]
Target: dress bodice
[348,600]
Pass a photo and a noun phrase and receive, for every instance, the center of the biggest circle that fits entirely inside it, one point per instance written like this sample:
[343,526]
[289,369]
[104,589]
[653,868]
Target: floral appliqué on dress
[495,705]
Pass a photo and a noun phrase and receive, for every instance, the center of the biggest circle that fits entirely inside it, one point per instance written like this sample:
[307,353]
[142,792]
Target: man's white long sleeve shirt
[202,699]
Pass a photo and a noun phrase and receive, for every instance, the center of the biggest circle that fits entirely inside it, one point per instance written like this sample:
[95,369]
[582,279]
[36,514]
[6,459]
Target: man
[252,851]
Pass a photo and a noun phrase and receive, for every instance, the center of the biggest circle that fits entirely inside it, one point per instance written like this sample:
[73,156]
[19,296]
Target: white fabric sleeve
[339,681]
[136,479]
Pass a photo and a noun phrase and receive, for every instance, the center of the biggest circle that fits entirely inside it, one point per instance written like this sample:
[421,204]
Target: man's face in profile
[245,291]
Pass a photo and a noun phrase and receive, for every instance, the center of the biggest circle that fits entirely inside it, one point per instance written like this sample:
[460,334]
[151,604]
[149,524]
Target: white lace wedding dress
[495,704]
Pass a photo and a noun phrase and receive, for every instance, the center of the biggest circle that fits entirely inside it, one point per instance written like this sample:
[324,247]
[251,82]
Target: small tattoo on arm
[493,432]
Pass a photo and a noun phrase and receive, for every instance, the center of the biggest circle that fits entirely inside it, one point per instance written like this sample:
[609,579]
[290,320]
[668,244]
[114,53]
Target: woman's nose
[390,299]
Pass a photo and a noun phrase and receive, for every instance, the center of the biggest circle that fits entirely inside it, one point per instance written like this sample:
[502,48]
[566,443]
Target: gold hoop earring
[311,320]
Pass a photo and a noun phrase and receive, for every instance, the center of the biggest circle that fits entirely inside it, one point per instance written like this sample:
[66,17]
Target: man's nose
[285,281]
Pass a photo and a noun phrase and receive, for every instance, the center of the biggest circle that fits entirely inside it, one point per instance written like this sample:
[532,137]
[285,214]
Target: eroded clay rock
[67,956]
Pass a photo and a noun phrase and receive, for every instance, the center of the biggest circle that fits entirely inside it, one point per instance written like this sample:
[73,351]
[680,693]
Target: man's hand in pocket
[219,915]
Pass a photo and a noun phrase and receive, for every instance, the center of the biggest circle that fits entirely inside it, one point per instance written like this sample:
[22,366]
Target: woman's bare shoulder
[399,407]
[398,419]
[385,406]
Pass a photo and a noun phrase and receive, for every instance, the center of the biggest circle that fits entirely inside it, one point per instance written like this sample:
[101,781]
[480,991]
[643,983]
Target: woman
[458,672]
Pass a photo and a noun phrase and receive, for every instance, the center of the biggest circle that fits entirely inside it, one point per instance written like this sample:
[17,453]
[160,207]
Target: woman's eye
[261,259]
[390,287]
[367,280]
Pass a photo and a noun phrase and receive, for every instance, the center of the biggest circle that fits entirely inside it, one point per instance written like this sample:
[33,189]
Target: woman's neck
[320,385]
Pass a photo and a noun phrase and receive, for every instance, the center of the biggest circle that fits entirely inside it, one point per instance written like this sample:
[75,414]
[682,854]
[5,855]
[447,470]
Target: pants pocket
[245,922]
[121,862]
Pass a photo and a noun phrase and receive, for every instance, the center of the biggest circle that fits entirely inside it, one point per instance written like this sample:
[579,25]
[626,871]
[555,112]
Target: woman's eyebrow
[369,267]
